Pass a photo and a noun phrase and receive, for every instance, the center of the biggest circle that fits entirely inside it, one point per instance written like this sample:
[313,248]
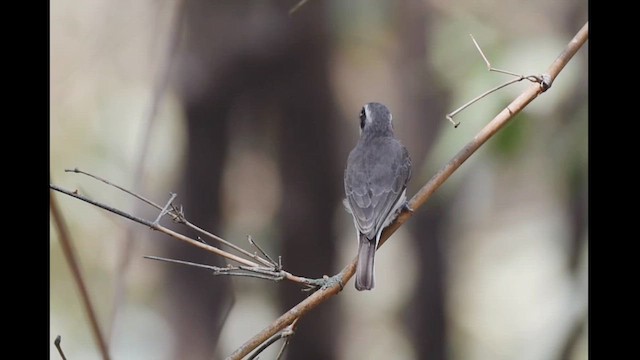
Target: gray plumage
[375,183]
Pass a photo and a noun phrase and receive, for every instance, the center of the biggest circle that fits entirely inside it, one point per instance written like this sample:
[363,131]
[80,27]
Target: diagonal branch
[177,216]
[421,197]
[274,270]
[56,342]
[72,260]
[157,227]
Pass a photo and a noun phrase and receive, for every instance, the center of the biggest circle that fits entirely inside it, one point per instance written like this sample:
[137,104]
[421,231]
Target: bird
[375,184]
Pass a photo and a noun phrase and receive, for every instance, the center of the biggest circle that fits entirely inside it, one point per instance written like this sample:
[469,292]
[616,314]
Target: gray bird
[375,184]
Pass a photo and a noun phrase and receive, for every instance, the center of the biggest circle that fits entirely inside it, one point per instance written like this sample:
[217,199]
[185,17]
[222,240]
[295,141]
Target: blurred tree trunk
[424,114]
[245,52]
[312,179]
[199,301]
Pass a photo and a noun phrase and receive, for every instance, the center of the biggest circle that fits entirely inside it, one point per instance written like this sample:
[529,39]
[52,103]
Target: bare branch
[543,80]
[331,288]
[158,227]
[57,344]
[470,102]
[266,273]
[209,267]
[165,209]
[69,253]
[275,264]
[308,283]
[420,198]
[285,334]
[177,216]
[257,272]
[297,6]
[225,242]
[141,198]
[489,67]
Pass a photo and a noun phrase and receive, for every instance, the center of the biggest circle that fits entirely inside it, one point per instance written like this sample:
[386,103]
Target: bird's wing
[379,184]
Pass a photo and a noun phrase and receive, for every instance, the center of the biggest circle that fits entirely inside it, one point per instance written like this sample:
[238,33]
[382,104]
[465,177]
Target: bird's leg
[324,282]
[406,207]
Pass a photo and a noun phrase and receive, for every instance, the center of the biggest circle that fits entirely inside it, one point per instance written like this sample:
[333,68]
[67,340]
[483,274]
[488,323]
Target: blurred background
[248,114]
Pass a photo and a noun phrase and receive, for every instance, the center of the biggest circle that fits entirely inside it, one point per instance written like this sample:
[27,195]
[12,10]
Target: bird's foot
[406,207]
[324,283]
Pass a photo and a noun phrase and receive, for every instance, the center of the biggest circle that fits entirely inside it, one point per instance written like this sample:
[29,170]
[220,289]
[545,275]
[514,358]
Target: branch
[57,344]
[177,216]
[257,272]
[334,286]
[296,7]
[544,81]
[69,254]
[421,197]
[158,227]
[275,270]
[285,334]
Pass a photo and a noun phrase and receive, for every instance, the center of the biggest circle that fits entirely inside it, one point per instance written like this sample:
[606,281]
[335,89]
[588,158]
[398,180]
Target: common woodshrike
[375,183]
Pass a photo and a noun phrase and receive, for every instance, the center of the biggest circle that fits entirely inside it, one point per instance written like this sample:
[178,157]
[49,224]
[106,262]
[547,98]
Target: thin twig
[419,199]
[158,227]
[285,334]
[288,332]
[59,347]
[311,283]
[102,206]
[296,7]
[470,102]
[256,272]
[208,267]
[165,209]
[69,253]
[137,196]
[225,242]
[178,216]
[270,273]
[275,264]
[533,78]
[489,67]
[303,307]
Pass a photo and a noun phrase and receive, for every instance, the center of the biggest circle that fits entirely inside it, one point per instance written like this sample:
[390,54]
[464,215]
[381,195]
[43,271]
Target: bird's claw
[406,207]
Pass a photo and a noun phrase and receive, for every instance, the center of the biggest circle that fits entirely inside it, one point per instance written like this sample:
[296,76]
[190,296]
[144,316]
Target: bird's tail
[365,277]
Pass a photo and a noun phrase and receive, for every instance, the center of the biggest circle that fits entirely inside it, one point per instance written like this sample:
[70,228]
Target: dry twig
[544,81]
[275,270]
[297,6]
[177,215]
[69,253]
[57,344]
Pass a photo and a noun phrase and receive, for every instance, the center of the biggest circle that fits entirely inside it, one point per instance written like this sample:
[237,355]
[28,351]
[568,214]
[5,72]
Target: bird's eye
[363,118]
